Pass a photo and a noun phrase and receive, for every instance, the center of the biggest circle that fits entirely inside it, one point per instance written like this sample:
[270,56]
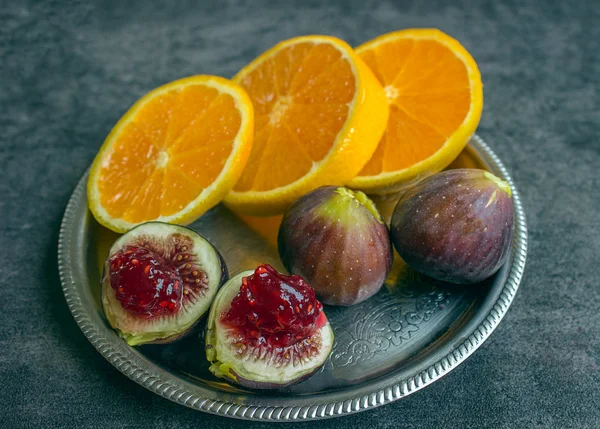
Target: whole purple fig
[336,240]
[455,226]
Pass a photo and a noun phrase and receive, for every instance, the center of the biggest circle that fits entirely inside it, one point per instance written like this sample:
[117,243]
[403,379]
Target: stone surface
[69,70]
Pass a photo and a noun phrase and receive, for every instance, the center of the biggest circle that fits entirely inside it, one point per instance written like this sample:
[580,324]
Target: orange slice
[434,91]
[320,113]
[175,153]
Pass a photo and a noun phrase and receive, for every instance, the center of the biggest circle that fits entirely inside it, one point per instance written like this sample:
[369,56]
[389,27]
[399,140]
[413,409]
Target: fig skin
[335,239]
[455,226]
[261,385]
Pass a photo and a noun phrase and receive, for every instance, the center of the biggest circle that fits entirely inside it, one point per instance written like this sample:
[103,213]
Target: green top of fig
[499,182]
[337,206]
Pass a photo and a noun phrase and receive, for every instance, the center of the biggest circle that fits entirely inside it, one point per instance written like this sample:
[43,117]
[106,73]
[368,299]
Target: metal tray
[410,334]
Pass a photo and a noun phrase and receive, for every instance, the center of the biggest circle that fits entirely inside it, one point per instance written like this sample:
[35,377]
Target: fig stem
[361,199]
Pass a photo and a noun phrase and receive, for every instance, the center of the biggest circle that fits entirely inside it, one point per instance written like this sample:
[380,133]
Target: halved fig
[158,281]
[266,330]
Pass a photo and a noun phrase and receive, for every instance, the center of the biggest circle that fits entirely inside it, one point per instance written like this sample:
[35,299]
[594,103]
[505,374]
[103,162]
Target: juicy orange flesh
[429,94]
[175,146]
[301,97]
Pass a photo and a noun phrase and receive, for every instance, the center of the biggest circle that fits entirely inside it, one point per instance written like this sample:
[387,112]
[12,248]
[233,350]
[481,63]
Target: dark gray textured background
[69,71]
